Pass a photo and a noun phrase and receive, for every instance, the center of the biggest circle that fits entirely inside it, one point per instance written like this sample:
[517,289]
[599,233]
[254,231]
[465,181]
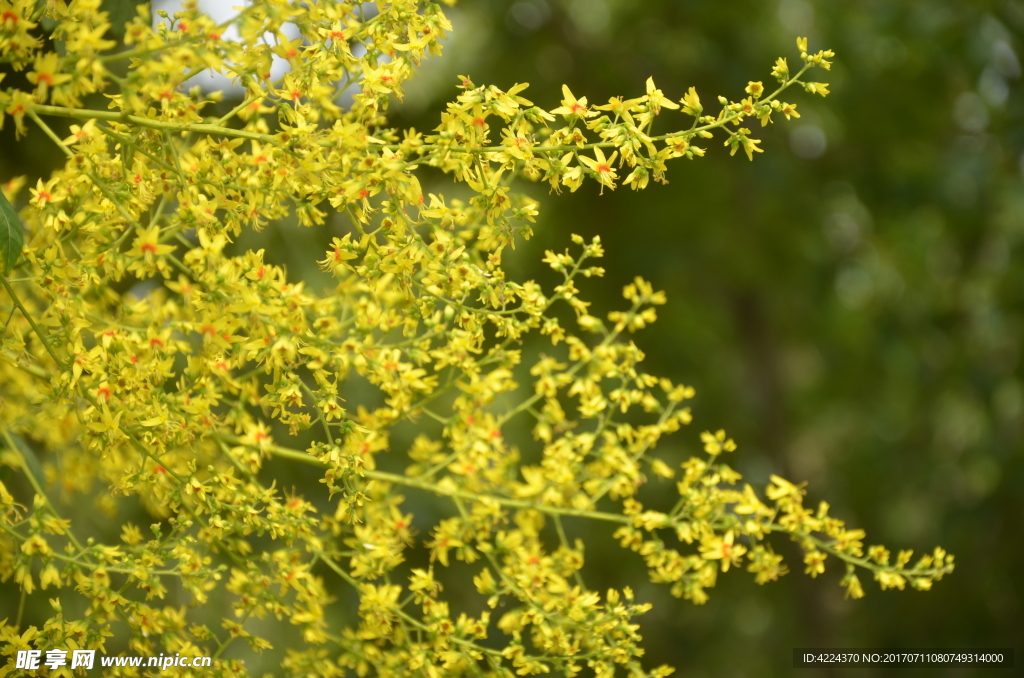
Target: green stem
[295,455]
[21,609]
[114,116]
[31,322]
[319,413]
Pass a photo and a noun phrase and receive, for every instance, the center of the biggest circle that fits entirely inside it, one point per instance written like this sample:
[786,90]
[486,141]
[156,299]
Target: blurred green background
[850,305]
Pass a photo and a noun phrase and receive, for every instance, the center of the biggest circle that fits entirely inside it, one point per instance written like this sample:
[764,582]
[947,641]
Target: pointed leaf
[12,237]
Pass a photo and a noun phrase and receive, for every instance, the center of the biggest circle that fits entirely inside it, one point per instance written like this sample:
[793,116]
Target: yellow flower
[691,103]
[46,75]
[150,254]
[656,99]
[175,394]
[715,444]
[571,106]
[602,167]
[815,561]
[724,549]
[817,88]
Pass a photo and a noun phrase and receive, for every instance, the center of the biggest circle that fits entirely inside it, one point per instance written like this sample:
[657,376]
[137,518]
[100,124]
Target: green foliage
[175,375]
[12,236]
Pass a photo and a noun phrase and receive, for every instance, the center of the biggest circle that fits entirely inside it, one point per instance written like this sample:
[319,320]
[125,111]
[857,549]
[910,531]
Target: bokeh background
[849,305]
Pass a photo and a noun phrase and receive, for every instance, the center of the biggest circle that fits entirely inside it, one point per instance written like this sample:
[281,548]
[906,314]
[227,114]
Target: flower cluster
[177,396]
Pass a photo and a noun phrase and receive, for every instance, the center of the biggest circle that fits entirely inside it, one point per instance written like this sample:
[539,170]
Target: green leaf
[12,236]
